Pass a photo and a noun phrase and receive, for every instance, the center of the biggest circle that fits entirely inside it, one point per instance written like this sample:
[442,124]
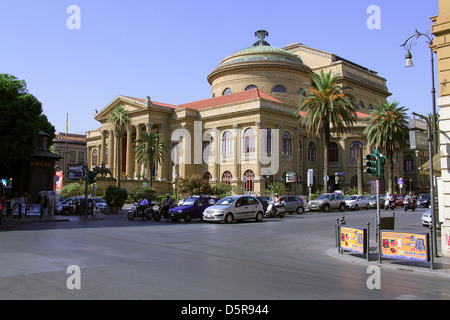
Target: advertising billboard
[353,239]
[412,246]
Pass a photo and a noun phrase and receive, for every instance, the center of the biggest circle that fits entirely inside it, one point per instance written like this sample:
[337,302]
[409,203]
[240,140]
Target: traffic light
[371,164]
[91,176]
[380,166]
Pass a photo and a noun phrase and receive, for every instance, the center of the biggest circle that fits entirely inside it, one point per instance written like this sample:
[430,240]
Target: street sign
[310,178]
[400,180]
[418,140]
[415,124]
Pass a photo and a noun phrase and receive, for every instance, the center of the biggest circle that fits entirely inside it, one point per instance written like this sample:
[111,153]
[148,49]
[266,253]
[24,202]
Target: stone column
[129,164]
[102,154]
[111,147]
[165,165]
[236,155]
[137,164]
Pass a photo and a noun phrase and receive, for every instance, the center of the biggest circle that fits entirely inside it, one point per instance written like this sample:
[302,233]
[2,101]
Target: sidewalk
[441,264]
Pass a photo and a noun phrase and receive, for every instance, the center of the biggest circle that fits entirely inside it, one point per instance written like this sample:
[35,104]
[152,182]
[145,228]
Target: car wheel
[300,210]
[326,208]
[356,207]
[342,207]
[259,216]
[367,207]
[229,218]
[187,217]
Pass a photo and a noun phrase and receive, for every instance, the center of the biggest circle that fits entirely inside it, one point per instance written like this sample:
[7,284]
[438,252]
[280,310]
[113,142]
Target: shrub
[115,196]
[72,190]
[147,192]
[194,185]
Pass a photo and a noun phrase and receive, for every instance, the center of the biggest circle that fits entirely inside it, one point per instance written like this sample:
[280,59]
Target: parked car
[424,200]
[427,219]
[293,204]
[355,202]
[233,208]
[191,208]
[373,200]
[398,199]
[68,206]
[327,202]
[264,201]
[101,205]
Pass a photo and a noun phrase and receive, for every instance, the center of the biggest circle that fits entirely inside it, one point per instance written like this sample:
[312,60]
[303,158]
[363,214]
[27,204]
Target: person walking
[44,206]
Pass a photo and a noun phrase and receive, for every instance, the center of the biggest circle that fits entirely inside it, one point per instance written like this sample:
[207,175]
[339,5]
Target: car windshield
[351,198]
[99,200]
[323,197]
[372,197]
[424,196]
[227,201]
[188,202]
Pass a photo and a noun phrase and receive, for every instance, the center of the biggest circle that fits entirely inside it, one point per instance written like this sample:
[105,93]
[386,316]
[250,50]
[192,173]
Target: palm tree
[387,130]
[326,108]
[119,118]
[150,149]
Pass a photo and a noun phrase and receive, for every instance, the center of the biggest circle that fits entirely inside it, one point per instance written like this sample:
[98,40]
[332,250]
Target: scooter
[409,204]
[144,213]
[162,211]
[274,211]
[389,204]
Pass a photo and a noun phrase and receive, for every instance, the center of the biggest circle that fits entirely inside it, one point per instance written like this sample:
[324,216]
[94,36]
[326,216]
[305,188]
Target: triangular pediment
[131,105]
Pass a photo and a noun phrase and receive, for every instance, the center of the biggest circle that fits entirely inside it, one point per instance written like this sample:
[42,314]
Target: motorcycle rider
[167,205]
[142,205]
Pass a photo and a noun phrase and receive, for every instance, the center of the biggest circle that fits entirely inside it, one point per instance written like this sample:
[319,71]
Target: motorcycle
[162,211]
[389,204]
[144,213]
[274,211]
[409,204]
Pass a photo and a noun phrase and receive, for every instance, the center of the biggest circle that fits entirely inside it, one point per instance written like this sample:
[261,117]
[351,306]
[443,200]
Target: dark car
[293,204]
[398,199]
[424,200]
[264,201]
[191,208]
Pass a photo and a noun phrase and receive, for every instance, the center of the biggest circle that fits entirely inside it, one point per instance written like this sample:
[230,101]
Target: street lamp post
[411,41]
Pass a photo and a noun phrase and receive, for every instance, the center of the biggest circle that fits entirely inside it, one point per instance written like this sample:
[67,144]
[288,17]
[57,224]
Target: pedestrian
[26,198]
[44,206]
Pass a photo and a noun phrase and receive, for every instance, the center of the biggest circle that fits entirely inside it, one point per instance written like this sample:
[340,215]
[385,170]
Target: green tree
[119,118]
[150,149]
[276,187]
[387,130]
[21,119]
[326,108]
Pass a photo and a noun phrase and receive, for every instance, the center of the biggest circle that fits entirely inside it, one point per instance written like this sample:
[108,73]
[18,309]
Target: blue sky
[166,49]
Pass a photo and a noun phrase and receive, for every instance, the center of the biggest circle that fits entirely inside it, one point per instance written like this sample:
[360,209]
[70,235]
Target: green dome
[262,53]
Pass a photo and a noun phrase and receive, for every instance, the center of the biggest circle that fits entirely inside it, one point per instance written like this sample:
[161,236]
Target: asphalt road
[277,259]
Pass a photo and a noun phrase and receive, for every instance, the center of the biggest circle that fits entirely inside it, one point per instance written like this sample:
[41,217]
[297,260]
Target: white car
[427,219]
[233,208]
[101,205]
[356,202]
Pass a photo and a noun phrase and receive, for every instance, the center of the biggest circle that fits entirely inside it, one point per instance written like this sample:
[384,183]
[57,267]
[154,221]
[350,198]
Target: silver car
[233,208]
[293,204]
[355,202]
[327,202]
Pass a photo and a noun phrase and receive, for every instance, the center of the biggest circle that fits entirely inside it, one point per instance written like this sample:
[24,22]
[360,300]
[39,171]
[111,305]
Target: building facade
[441,45]
[246,134]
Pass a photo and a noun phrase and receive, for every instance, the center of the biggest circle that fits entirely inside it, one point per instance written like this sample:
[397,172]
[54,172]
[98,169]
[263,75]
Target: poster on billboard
[411,246]
[353,239]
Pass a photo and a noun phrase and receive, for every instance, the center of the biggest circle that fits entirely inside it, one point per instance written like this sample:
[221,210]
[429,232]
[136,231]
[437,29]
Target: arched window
[279,88]
[227,91]
[94,157]
[227,144]
[408,162]
[300,151]
[360,105]
[252,86]
[369,107]
[286,148]
[207,176]
[333,152]
[226,177]
[355,149]
[249,141]
[249,176]
[301,92]
[268,142]
[312,152]
[208,148]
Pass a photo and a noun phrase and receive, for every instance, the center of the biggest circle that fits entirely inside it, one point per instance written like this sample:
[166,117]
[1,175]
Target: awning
[425,168]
